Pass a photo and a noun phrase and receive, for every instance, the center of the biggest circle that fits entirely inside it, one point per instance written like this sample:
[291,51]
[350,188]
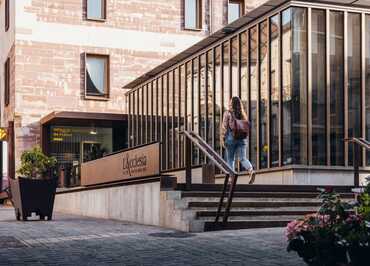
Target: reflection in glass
[145,113]
[263,101]
[165,121]
[234,11]
[182,118]
[203,101]
[318,87]
[96,9]
[154,108]
[210,97]
[175,117]
[218,88]
[191,14]
[234,67]
[170,113]
[287,85]
[336,88]
[226,57]
[253,70]
[244,70]
[96,75]
[140,114]
[354,79]
[274,91]
[299,88]
[196,101]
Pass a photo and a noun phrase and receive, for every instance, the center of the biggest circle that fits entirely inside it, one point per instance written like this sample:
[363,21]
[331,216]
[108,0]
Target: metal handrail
[211,154]
[357,144]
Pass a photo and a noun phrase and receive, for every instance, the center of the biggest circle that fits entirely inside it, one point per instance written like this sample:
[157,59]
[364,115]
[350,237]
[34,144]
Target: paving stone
[76,240]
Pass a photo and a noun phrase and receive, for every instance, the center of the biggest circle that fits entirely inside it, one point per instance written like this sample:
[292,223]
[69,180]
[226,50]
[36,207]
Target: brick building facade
[46,43]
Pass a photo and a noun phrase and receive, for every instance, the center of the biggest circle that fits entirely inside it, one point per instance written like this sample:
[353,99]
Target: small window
[7,13]
[6,82]
[193,14]
[96,9]
[97,76]
[235,10]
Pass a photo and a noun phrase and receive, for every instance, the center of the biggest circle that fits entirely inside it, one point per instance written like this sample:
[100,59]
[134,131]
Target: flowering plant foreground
[338,234]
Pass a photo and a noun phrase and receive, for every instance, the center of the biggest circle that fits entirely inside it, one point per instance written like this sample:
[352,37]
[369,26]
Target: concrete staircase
[254,206]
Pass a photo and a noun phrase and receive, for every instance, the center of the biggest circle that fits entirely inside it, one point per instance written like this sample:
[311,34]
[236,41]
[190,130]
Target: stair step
[235,225]
[265,209]
[255,204]
[254,213]
[263,195]
[264,188]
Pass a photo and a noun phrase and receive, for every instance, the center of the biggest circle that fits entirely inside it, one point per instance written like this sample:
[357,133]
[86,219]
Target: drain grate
[172,235]
[10,242]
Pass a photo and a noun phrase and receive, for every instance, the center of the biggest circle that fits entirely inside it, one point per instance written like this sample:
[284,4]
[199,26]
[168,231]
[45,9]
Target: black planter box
[33,196]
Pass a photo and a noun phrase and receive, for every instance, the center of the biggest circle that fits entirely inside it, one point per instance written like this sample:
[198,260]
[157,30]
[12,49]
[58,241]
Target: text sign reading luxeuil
[134,163]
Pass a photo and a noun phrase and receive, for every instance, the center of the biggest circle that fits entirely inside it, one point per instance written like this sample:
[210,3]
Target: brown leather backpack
[240,128]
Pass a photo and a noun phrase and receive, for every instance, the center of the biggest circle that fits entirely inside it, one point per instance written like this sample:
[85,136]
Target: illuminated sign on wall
[3,134]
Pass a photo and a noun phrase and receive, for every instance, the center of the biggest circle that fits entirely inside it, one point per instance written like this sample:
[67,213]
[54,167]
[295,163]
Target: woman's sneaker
[252,175]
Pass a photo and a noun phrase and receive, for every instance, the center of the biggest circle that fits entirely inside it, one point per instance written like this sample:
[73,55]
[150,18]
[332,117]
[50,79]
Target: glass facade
[298,72]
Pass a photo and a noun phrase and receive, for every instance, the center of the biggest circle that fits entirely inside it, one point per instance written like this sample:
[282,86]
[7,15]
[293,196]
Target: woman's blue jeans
[237,148]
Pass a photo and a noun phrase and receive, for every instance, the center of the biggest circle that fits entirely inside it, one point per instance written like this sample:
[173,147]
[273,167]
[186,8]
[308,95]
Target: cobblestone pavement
[76,240]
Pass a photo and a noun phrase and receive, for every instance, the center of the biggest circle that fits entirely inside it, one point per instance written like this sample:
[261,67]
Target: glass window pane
[150,112]
[170,114]
[218,89]
[234,11]
[226,75]
[210,97]
[367,88]
[264,94]
[234,67]
[154,108]
[96,75]
[274,93]
[253,70]
[354,79]
[145,114]
[336,88]
[175,120]
[191,14]
[96,9]
[182,112]
[299,88]
[196,100]
[287,85]
[165,121]
[244,69]
[318,87]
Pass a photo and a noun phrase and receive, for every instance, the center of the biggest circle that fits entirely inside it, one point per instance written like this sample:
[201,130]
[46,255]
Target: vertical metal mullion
[248,91]
[345,87]
[186,108]
[230,68]
[258,97]
[222,86]
[167,120]
[156,110]
[328,88]
[151,111]
[280,76]
[214,98]
[268,71]
[206,99]
[179,120]
[363,83]
[239,64]
[309,86]
[128,103]
[199,108]
[142,116]
[137,116]
[193,150]
[173,118]
[162,129]
[146,99]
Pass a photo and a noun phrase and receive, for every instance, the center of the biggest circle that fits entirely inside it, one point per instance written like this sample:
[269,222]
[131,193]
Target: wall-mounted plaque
[3,134]
[129,164]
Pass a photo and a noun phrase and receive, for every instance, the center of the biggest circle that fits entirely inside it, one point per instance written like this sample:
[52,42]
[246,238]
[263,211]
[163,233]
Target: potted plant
[34,190]
[336,235]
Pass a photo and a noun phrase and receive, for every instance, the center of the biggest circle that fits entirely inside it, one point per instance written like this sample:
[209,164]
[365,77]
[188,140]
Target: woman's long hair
[236,107]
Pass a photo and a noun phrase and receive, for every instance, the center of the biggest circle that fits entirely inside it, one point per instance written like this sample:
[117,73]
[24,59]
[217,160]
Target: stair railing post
[230,197]
[188,174]
[356,164]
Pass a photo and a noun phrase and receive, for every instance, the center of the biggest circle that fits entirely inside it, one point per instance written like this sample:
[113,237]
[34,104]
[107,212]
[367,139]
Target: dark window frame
[104,2]
[199,16]
[103,97]
[7,82]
